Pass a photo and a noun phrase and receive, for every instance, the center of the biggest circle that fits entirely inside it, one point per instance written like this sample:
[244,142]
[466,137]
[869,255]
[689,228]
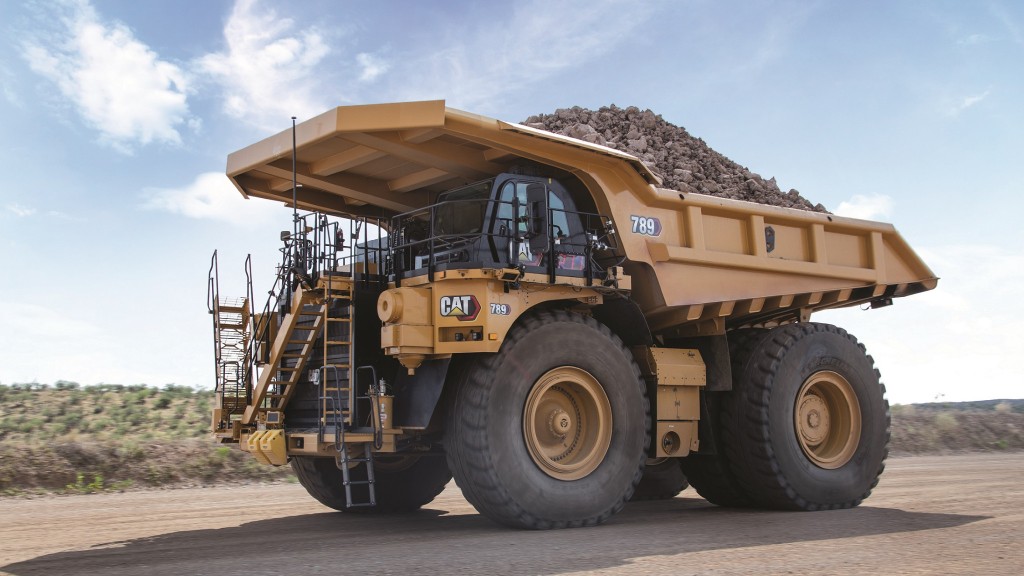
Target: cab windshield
[461,211]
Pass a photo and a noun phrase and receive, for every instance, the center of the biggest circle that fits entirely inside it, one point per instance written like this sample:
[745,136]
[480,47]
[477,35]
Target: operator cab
[511,221]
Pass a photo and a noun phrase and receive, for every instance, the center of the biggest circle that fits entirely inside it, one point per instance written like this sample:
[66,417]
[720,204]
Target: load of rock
[684,163]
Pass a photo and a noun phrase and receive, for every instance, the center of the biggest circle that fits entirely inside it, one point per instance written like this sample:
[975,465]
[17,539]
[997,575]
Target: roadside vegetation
[79,439]
[68,438]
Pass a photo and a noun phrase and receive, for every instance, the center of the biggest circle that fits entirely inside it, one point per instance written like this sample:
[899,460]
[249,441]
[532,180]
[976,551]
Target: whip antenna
[295,185]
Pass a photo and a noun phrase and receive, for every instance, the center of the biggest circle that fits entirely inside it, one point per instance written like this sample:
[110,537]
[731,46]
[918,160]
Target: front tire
[809,420]
[403,483]
[551,431]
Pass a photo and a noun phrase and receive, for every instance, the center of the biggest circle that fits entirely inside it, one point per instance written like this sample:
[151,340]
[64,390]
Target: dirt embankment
[990,426]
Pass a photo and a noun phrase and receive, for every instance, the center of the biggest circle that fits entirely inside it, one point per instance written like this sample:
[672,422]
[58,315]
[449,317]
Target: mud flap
[416,396]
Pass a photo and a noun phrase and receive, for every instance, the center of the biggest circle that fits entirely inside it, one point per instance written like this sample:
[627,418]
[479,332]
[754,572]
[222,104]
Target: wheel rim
[828,421]
[567,423]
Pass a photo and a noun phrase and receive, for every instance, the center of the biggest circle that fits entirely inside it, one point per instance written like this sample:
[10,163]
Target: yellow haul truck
[533,315]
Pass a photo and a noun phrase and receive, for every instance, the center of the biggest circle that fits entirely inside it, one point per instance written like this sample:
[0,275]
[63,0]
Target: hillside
[71,438]
[75,438]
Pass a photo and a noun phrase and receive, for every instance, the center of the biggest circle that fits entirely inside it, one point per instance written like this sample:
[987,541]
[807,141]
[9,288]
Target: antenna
[295,184]
[293,255]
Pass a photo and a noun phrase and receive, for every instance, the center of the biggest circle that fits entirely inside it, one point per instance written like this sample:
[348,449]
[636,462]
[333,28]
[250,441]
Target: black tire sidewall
[549,346]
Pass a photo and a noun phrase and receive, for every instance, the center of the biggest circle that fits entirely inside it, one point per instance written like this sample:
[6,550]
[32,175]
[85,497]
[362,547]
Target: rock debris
[685,163]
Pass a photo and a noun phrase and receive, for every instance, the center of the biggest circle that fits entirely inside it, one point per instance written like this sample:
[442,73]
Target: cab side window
[505,217]
[559,219]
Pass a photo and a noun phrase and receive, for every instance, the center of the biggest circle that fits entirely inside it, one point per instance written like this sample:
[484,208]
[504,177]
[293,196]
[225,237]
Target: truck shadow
[430,541]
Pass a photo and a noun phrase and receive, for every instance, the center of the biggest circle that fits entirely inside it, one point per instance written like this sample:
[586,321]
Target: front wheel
[551,431]
[403,483]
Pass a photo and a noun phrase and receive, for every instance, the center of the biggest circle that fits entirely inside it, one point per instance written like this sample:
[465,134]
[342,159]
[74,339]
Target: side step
[343,461]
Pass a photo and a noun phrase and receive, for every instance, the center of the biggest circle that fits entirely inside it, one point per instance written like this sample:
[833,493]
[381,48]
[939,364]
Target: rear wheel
[551,431]
[402,483]
[809,420]
[663,479]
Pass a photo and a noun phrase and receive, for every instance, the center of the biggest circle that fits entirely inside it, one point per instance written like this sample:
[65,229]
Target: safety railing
[419,241]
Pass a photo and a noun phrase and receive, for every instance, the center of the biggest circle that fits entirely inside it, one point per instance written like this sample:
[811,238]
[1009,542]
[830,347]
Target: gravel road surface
[959,514]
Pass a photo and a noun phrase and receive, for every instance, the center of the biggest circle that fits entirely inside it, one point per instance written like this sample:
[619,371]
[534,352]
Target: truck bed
[708,265]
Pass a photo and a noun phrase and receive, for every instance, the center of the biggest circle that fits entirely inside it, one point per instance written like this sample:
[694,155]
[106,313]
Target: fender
[624,318]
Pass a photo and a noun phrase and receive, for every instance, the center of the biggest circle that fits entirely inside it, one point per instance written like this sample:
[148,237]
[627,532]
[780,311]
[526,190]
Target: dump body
[703,264]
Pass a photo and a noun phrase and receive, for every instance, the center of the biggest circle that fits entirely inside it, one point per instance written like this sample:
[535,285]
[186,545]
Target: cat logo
[465,308]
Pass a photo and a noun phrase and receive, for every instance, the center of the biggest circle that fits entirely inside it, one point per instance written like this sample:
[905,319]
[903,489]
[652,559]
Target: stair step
[339,342]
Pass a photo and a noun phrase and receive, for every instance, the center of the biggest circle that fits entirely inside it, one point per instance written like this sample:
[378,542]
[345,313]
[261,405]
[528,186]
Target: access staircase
[301,350]
[288,358]
[231,332]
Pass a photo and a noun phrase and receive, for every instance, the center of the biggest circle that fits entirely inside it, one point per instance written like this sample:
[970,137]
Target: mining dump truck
[534,316]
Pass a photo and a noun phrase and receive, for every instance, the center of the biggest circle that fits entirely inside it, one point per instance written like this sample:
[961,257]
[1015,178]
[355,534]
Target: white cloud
[212,197]
[372,66]
[539,40]
[966,102]
[969,101]
[7,81]
[20,211]
[266,72]
[974,39]
[874,207]
[117,84]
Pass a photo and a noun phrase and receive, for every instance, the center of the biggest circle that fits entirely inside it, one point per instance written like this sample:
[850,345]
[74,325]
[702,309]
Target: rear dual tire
[806,426]
[663,479]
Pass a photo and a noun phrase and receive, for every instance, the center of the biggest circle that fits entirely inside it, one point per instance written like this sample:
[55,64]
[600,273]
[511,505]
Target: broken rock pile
[684,163]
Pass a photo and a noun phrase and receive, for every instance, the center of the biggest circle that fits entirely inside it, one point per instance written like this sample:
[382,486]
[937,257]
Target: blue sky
[117,118]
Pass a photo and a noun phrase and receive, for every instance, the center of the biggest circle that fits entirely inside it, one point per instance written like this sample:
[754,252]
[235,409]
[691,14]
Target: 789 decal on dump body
[646,225]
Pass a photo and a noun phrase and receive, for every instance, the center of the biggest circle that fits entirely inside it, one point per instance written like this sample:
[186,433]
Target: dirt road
[941,515]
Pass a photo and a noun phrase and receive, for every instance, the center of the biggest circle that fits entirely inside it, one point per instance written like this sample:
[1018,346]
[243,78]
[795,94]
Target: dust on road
[935,514]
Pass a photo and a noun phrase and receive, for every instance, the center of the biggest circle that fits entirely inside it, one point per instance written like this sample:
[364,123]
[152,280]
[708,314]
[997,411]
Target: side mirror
[537,210]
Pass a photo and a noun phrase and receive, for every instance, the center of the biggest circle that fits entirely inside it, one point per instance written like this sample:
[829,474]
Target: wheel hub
[567,423]
[827,420]
[814,414]
[560,422]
